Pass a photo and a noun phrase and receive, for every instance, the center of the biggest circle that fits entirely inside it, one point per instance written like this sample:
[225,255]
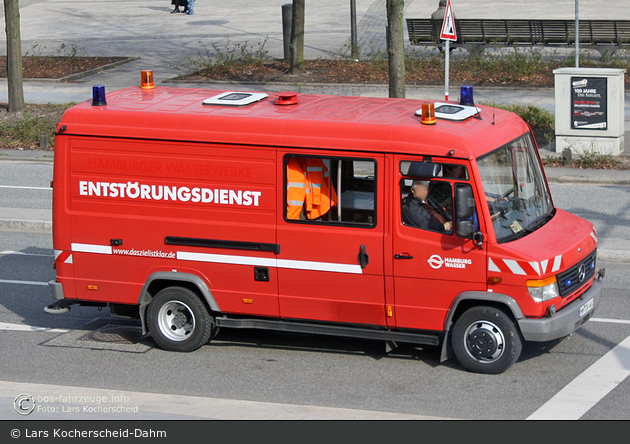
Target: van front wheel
[178,320]
[486,340]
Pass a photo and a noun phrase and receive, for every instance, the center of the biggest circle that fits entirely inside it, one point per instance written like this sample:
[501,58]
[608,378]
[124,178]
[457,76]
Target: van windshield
[516,191]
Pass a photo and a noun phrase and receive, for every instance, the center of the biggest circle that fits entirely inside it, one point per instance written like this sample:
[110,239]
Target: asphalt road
[284,368]
[26,185]
[104,352]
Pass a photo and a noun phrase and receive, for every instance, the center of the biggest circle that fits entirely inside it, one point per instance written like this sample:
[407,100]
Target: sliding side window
[330,190]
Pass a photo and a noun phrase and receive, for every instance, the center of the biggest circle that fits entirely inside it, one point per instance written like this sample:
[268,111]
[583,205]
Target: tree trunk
[14,56]
[296,56]
[396,48]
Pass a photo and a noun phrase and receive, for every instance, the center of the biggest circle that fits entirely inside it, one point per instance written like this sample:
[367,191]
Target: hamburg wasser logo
[436,262]
[24,404]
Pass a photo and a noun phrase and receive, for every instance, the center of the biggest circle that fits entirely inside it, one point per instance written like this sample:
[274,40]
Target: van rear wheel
[178,320]
[486,340]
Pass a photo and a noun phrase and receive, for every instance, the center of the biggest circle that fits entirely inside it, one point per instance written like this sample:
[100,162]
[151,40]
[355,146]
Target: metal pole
[287,16]
[446,68]
[353,30]
[577,33]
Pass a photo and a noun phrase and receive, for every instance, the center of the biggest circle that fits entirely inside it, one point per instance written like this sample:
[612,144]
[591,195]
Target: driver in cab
[419,211]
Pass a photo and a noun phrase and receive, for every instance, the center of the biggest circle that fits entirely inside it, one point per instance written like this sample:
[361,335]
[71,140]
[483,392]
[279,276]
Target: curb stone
[89,72]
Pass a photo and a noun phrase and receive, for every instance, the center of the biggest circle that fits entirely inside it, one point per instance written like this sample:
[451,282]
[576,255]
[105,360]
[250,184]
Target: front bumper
[565,321]
[56,289]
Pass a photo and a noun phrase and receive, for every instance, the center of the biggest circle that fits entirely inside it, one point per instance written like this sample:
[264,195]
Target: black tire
[486,340]
[178,320]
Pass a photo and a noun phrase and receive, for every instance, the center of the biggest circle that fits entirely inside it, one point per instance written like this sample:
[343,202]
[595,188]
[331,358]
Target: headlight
[543,289]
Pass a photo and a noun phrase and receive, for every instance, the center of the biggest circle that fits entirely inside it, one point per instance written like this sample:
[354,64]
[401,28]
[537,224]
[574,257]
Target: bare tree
[14,56]
[396,48]
[296,55]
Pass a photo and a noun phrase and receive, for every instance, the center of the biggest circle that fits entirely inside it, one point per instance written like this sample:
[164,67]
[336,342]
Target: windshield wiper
[540,222]
[530,229]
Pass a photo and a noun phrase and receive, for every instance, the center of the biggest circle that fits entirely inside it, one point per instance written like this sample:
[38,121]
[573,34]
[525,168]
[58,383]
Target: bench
[475,35]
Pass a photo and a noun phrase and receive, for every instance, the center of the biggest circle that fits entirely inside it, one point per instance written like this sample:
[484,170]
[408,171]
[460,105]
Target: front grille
[569,281]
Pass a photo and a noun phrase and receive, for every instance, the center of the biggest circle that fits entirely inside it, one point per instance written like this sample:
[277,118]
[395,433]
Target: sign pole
[446,69]
[448,33]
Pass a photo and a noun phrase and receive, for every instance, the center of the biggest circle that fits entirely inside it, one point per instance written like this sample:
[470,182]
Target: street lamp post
[577,33]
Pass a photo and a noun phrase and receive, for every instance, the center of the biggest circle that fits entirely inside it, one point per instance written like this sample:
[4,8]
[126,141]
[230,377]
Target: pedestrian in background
[191,7]
[179,3]
[440,12]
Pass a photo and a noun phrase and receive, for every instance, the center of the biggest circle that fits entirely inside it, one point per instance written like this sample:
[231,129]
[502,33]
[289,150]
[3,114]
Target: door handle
[403,256]
[363,257]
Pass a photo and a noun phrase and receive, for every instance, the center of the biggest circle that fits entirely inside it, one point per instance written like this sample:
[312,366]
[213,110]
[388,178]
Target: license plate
[586,307]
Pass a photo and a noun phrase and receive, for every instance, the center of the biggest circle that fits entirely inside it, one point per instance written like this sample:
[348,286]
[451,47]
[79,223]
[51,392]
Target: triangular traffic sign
[448,25]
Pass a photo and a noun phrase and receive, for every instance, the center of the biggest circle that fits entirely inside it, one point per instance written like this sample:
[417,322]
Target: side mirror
[465,229]
[464,202]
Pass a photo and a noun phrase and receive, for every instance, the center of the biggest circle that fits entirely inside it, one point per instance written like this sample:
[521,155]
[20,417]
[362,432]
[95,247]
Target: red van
[195,209]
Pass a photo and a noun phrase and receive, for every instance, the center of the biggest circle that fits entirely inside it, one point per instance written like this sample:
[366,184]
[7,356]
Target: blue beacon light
[98,95]
[466,96]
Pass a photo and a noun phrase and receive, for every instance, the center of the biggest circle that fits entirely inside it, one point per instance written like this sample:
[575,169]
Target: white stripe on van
[536,267]
[226,259]
[320,266]
[492,266]
[543,264]
[556,263]
[514,266]
[91,248]
[239,260]
[273,263]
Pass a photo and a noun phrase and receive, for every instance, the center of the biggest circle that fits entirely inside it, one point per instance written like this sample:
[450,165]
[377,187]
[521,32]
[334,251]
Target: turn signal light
[542,290]
[428,114]
[146,79]
[494,280]
[541,282]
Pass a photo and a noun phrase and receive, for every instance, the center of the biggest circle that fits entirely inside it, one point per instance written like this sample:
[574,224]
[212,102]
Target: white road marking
[19,253]
[610,321]
[570,403]
[22,327]
[25,188]
[7,281]
[592,385]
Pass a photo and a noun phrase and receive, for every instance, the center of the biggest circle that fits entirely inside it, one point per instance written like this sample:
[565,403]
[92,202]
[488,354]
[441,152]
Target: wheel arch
[469,299]
[162,279]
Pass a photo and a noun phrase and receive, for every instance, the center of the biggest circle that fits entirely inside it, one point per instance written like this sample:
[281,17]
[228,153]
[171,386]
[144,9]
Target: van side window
[427,205]
[330,190]
[427,194]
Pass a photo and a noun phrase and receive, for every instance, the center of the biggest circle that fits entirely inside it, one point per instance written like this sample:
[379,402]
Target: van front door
[432,264]
[330,232]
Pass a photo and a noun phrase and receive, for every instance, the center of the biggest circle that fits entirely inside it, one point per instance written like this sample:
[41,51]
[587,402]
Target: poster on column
[588,103]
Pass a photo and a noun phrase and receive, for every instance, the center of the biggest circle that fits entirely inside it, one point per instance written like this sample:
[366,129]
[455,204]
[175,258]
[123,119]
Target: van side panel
[432,267]
[62,227]
[321,277]
[144,206]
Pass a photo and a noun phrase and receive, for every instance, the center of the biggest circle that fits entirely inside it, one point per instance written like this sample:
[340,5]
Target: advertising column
[590,110]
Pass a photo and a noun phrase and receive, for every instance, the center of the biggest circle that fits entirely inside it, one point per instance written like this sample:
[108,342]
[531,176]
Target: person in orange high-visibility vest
[320,196]
[296,187]
[308,188]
